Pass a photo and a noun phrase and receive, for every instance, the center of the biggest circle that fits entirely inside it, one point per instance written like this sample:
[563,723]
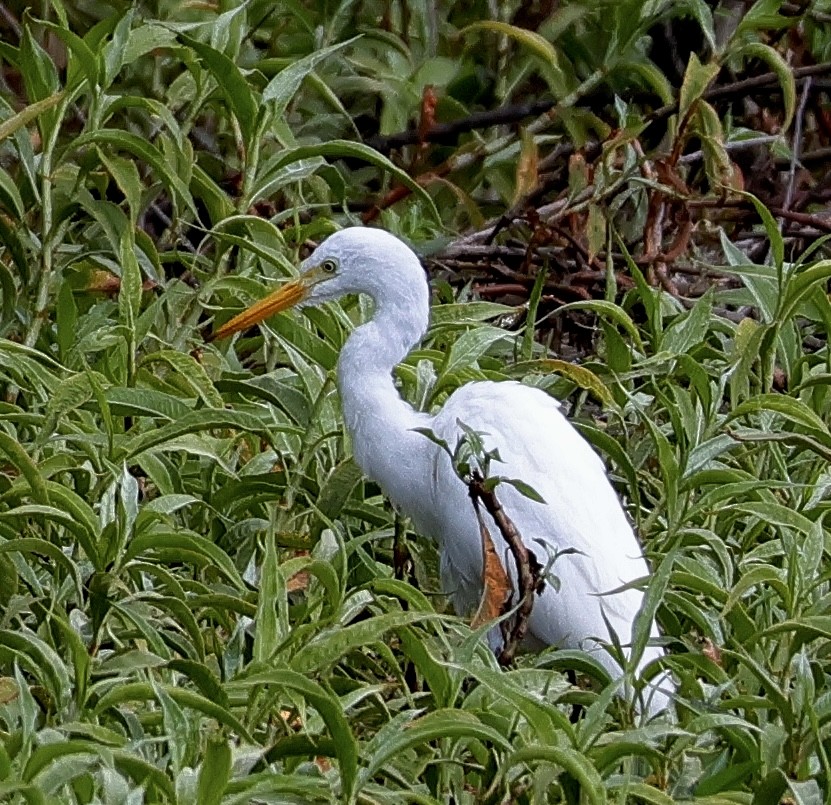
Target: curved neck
[379,422]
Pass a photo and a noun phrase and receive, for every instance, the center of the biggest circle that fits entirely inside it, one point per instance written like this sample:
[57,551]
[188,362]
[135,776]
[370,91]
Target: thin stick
[527,567]
[797,144]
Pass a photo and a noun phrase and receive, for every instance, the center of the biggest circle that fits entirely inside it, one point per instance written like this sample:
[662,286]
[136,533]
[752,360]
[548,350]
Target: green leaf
[800,285]
[531,320]
[330,711]
[332,645]
[41,660]
[28,114]
[581,376]
[773,232]
[790,408]
[472,345]
[195,422]
[189,370]
[806,628]
[144,773]
[757,576]
[783,71]
[141,148]
[142,691]
[32,794]
[43,548]
[337,488]
[345,149]
[144,39]
[610,311]
[771,788]
[523,488]
[596,227]
[137,402]
[9,193]
[83,62]
[60,517]
[535,43]
[437,725]
[48,755]
[129,298]
[642,792]
[172,541]
[652,77]
[688,331]
[272,624]
[115,50]
[27,468]
[204,679]
[573,762]
[67,317]
[37,67]
[215,772]
[232,83]
[464,313]
[707,126]
[428,433]
[697,78]
[126,176]
[283,87]
[774,514]
[645,619]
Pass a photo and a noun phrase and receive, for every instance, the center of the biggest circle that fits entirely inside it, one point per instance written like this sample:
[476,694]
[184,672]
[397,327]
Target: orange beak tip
[281,299]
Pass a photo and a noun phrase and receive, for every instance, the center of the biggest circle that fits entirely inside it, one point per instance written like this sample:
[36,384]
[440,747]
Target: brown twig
[448,132]
[740,88]
[819,156]
[817,221]
[558,156]
[796,144]
[513,113]
[11,21]
[529,571]
[823,223]
[796,10]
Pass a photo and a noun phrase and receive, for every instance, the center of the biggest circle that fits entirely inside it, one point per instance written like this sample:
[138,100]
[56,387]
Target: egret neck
[374,413]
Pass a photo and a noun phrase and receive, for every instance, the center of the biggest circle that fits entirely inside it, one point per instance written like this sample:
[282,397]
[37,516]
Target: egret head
[354,260]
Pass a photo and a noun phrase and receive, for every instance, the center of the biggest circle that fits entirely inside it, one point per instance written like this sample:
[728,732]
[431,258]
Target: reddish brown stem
[528,568]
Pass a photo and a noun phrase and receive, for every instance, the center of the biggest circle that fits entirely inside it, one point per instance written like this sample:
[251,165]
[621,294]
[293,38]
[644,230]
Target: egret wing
[580,533]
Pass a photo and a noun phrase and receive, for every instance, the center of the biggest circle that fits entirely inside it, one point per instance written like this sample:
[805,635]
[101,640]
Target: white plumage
[536,444]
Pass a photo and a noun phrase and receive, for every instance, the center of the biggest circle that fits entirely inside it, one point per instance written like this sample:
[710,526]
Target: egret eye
[329,266]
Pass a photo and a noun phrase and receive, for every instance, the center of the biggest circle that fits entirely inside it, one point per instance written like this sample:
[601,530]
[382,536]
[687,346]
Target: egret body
[536,444]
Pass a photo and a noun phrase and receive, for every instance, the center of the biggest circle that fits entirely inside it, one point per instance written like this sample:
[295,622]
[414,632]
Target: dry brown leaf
[527,170]
[290,718]
[579,175]
[429,100]
[496,585]
[736,181]
[8,689]
[299,581]
[104,282]
[595,231]
[711,651]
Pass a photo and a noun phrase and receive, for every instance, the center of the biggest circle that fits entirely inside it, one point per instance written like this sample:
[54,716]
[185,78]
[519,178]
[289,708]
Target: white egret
[536,445]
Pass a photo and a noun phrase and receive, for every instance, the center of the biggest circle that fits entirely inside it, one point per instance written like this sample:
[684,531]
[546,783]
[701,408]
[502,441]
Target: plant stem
[47,263]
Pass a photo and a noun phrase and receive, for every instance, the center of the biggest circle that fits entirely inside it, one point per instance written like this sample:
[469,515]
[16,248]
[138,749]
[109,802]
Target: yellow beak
[283,298]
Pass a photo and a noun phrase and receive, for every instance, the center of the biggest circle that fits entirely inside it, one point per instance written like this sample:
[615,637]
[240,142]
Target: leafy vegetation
[201,601]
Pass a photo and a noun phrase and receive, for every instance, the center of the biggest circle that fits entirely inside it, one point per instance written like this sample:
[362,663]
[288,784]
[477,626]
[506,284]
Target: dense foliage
[200,597]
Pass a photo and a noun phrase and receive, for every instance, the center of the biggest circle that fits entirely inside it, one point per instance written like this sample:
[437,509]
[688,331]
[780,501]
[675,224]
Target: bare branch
[529,570]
